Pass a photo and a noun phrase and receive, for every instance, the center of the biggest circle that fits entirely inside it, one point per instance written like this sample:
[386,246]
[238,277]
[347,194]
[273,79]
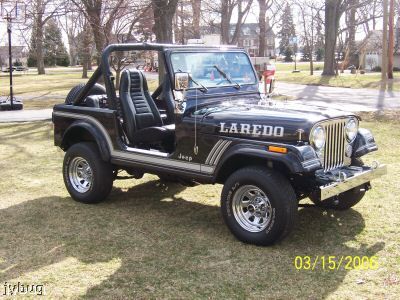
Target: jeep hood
[218,119]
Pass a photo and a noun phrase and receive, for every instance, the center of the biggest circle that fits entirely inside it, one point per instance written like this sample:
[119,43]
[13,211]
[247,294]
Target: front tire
[258,205]
[87,177]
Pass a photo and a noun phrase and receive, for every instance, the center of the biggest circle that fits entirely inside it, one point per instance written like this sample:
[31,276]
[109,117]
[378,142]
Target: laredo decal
[252,129]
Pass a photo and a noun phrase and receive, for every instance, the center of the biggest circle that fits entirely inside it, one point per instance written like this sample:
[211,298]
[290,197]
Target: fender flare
[96,133]
[299,159]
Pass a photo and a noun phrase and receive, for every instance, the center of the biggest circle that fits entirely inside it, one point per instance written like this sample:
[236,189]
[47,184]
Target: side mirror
[181,81]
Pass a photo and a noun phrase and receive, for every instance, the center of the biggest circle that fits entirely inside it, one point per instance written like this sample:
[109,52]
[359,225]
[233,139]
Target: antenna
[11,12]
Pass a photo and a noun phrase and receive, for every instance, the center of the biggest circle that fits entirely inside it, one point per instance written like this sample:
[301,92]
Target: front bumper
[358,178]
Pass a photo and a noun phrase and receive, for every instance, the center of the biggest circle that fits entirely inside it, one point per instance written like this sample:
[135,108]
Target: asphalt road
[341,98]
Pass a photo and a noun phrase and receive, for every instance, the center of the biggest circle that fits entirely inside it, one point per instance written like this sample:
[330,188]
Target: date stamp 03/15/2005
[19,288]
[335,263]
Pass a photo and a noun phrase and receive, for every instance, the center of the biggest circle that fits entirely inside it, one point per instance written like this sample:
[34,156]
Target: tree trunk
[86,46]
[332,17]
[98,32]
[84,69]
[73,55]
[311,61]
[262,25]
[182,31]
[351,43]
[163,11]
[384,41]
[240,15]
[226,14]
[39,46]
[196,7]
[391,39]
[117,78]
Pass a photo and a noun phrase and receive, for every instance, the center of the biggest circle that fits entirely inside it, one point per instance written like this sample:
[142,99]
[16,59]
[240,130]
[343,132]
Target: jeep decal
[252,129]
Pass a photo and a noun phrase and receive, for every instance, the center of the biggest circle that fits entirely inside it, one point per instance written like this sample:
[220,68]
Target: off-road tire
[344,200]
[102,173]
[97,89]
[282,200]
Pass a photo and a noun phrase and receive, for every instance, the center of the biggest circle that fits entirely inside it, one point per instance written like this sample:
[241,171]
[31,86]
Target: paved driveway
[342,98]
[25,115]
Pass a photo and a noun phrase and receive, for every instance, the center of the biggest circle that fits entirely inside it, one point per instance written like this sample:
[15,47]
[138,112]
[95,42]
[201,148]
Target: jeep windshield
[205,68]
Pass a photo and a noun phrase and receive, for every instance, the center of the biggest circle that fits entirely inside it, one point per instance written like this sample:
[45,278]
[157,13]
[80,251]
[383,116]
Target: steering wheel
[158,91]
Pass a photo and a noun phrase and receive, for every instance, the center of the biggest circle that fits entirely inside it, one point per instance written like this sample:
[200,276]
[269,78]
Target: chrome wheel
[251,208]
[80,174]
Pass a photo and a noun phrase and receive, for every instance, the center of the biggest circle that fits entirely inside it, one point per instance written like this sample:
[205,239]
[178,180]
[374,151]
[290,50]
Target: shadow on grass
[172,247]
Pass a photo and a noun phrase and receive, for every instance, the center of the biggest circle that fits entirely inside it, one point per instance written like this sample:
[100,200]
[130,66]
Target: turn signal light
[277,149]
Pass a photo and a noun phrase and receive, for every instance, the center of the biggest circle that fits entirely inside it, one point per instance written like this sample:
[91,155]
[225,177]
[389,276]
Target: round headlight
[351,130]
[318,137]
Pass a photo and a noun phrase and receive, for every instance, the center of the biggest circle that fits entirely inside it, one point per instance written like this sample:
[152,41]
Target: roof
[17,51]
[372,42]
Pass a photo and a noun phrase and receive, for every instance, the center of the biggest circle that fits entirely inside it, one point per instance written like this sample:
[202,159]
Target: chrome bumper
[336,188]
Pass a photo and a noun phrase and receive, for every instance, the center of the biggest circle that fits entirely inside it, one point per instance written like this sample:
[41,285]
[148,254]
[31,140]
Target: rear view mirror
[181,81]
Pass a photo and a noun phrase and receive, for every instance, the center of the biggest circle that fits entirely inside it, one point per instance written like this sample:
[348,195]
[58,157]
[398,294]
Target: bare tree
[40,12]
[222,12]
[334,10]
[350,57]
[196,8]
[123,32]
[102,14]
[309,11]
[163,11]
[263,6]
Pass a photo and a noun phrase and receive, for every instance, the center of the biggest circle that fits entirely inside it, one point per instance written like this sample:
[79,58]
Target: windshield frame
[213,50]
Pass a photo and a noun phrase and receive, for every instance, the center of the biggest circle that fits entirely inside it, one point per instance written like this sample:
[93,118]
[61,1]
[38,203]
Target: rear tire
[87,177]
[258,205]
[97,89]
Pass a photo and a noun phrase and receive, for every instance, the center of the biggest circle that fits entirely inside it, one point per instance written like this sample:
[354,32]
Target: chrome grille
[335,144]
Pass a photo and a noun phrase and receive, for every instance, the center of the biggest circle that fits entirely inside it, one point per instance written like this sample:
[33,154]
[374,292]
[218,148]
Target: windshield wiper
[202,87]
[237,85]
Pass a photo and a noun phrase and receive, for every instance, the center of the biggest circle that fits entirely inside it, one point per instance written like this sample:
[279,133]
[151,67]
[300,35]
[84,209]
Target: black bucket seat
[142,120]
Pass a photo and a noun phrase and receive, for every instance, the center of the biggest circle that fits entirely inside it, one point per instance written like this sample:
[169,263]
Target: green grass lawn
[302,66]
[348,80]
[44,91]
[368,80]
[152,240]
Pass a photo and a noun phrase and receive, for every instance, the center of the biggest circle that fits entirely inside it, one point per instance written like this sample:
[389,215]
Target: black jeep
[208,123]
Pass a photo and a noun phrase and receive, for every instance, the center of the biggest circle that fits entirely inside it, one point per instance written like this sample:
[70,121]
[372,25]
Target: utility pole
[391,40]
[384,64]
[10,12]
[10,61]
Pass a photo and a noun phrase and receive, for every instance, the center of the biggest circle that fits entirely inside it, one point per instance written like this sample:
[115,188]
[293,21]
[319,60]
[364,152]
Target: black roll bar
[104,68]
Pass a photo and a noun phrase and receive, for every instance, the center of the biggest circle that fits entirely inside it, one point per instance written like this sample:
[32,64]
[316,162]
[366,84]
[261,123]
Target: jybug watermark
[18,288]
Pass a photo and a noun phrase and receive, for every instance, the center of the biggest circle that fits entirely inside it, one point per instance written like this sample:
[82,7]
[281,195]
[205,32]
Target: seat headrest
[133,80]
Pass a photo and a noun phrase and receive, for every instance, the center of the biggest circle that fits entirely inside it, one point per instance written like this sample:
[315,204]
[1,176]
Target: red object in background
[269,74]
[212,77]
[268,78]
